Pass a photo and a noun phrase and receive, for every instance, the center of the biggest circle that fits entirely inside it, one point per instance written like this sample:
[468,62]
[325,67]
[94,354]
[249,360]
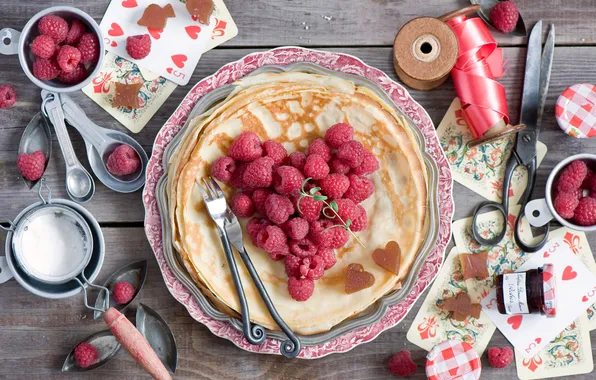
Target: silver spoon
[37,136]
[484,13]
[79,183]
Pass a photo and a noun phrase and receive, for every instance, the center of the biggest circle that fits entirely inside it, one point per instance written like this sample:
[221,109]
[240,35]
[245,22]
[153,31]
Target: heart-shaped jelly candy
[389,257]
[357,279]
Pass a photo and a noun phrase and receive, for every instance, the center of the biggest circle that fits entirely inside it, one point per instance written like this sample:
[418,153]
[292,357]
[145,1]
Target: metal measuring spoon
[37,136]
[79,183]
[159,335]
[107,347]
[484,13]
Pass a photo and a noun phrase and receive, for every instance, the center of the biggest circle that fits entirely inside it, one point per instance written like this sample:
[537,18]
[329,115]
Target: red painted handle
[136,345]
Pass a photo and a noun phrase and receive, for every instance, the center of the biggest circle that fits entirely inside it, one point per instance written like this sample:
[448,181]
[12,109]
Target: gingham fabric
[576,110]
[548,285]
[453,360]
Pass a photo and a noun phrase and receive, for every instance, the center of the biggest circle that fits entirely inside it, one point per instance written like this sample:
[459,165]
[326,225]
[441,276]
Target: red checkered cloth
[452,359]
[576,110]
[549,285]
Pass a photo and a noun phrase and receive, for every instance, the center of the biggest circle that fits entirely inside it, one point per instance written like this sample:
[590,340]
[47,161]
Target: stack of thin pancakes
[294,109]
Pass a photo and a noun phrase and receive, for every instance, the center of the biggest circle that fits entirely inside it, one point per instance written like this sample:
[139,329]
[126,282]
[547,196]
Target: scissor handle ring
[489,206]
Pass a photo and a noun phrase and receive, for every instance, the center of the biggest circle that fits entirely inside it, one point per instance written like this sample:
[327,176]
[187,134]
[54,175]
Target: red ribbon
[478,63]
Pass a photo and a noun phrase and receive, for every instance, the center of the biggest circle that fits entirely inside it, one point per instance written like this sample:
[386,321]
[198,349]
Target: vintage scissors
[536,80]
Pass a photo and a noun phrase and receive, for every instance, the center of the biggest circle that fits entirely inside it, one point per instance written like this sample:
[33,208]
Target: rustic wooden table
[36,333]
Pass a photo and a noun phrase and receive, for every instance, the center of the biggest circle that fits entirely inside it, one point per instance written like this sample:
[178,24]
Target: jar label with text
[514,293]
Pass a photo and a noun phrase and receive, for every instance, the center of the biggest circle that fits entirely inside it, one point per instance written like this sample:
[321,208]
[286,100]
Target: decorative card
[224,29]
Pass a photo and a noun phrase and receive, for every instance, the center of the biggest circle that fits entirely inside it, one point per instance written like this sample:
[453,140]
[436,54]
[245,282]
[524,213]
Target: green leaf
[333,206]
[314,190]
[348,223]
[320,198]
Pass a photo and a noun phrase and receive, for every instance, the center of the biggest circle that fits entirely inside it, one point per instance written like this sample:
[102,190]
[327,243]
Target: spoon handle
[53,109]
[79,120]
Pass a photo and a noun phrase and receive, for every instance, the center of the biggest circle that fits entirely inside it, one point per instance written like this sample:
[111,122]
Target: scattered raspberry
[242,205]
[223,168]
[259,173]
[572,176]
[32,165]
[123,292]
[76,31]
[303,248]
[78,75]
[585,213]
[8,96]
[278,208]
[565,204]
[369,164]
[352,153]
[287,180]
[259,196]
[68,58]
[293,265]
[247,147]
[361,222]
[275,150]
[46,69]
[301,289]
[339,134]
[281,253]
[85,355]
[328,257]
[297,228]
[53,26]
[89,47]
[308,208]
[500,357]
[319,147]
[312,267]
[297,160]
[124,160]
[401,364]
[138,47]
[43,46]
[316,167]
[504,16]
[360,188]
[346,209]
[256,225]
[334,185]
[271,239]
[339,166]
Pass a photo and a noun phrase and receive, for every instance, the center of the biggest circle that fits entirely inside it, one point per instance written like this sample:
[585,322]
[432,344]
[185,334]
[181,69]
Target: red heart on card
[546,254]
[115,30]
[155,33]
[169,70]
[515,321]
[538,340]
[179,60]
[585,299]
[569,273]
[546,276]
[114,44]
[193,31]
[129,3]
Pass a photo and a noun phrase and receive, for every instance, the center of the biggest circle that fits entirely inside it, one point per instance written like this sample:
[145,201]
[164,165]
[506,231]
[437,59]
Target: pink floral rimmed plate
[341,63]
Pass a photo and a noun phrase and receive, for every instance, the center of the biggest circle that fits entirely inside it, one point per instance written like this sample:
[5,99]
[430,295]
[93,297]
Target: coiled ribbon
[478,63]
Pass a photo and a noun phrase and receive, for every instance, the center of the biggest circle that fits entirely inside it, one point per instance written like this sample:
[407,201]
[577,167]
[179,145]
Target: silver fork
[218,210]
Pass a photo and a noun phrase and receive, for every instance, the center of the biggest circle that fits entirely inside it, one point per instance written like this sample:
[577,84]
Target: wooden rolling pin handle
[136,345]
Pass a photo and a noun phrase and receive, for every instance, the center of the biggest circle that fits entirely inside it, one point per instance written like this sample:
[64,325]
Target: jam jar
[527,292]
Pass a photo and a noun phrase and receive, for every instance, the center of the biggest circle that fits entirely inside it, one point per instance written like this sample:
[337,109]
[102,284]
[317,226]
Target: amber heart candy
[357,279]
[389,257]
[200,9]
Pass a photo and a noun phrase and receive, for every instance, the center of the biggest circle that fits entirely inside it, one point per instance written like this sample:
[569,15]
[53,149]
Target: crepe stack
[295,108]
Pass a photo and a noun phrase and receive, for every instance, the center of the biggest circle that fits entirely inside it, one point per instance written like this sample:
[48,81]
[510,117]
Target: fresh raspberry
[259,196]
[46,69]
[296,228]
[281,253]
[275,150]
[369,164]
[325,235]
[401,364]
[572,176]
[589,181]
[579,193]
[8,96]
[78,75]
[312,267]
[292,264]
[500,357]
[346,209]
[237,179]
[256,225]
[565,204]
[242,205]
[32,165]
[585,213]
[138,47]
[321,148]
[278,208]
[303,248]
[360,188]
[271,239]
[53,26]
[76,31]
[89,47]
[339,166]
[123,292]
[68,58]
[328,257]
[301,289]
[334,185]
[123,160]
[297,160]
[352,153]
[361,222]
[223,168]
[247,147]
[85,355]
[316,167]
[287,180]
[504,16]
[339,134]
[43,46]
[259,173]
[308,208]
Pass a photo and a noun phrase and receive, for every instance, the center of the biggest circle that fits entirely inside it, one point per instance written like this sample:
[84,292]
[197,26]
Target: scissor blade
[545,70]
